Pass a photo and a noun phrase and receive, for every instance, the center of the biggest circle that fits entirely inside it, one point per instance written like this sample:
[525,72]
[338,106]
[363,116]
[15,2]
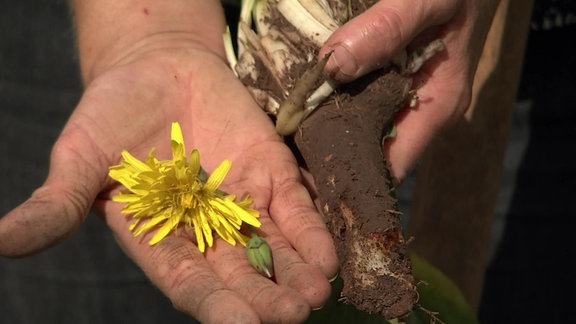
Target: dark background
[532,276]
[87,279]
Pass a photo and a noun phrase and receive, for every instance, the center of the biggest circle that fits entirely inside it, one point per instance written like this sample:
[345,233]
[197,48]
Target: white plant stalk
[309,18]
[277,49]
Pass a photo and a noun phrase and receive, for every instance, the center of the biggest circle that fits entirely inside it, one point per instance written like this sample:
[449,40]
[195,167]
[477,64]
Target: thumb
[370,40]
[59,206]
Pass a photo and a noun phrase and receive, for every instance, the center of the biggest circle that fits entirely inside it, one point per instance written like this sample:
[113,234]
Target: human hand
[130,105]
[370,40]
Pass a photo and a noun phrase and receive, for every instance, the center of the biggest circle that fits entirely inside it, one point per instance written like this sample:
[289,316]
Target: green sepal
[260,255]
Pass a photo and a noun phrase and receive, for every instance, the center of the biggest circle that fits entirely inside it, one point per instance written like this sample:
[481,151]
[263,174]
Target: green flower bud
[260,256]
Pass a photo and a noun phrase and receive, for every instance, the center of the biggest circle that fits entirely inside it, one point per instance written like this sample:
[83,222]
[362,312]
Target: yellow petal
[241,238]
[245,216]
[164,193]
[176,133]
[199,237]
[124,197]
[194,163]
[225,232]
[206,229]
[120,174]
[134,162]
[168,226]
[133,225]
[219,210]
[177,143]
[151,161]
[148,225]
[245,202]
[216,178]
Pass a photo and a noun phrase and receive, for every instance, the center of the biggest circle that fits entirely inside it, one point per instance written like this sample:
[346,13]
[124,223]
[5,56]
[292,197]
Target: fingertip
[329,264]
[290,307]
[363,44]
[342,65]
[307,278]
[313,286]
[318,249]
[408,145]
[371,39]
[280,304]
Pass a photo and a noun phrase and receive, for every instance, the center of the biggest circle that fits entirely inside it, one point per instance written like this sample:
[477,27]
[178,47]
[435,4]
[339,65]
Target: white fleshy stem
[319,95]
[309,18]
[229,49]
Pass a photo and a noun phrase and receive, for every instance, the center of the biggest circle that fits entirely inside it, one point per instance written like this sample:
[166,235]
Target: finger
[444,91]
[443,99]
[303,251]
[181,272]
[55,210]
[292,271]
[304,254]
[282,195]
[294,213]
[178,268]
[369,40]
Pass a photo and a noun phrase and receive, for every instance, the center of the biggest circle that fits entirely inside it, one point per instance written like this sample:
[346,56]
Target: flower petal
[168,227]
[206,229]
[177,143]
[217,176]
[224,231]
[147,225]
[199,237]
[241,213]
[194,163]
[133,162]
[164,193]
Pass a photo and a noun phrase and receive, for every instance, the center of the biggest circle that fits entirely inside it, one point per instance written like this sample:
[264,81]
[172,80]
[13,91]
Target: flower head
[161,194]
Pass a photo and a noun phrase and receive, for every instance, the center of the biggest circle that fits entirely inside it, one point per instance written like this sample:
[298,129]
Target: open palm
[131,107]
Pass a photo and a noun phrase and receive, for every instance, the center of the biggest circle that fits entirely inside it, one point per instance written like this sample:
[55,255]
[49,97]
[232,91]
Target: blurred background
[87,279]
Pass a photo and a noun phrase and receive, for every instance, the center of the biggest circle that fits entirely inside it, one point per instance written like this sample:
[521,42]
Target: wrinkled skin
[133,94]
[131,107]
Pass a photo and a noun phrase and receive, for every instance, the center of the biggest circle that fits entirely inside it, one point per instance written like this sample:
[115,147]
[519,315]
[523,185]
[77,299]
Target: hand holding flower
[138,82]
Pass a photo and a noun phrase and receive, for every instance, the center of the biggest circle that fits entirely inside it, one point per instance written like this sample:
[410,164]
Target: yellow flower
[164,193]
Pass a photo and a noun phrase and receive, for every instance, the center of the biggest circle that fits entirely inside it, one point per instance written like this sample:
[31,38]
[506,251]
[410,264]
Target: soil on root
[341,143]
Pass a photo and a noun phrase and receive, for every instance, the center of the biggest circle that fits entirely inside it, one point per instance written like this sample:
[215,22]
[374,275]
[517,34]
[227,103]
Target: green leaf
[335,311]
[440,295]
[391,133]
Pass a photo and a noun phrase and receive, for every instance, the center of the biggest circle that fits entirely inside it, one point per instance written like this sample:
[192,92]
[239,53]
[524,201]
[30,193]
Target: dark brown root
[341,144]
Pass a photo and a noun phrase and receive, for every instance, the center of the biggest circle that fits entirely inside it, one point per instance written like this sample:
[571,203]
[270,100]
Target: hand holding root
[341,144]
